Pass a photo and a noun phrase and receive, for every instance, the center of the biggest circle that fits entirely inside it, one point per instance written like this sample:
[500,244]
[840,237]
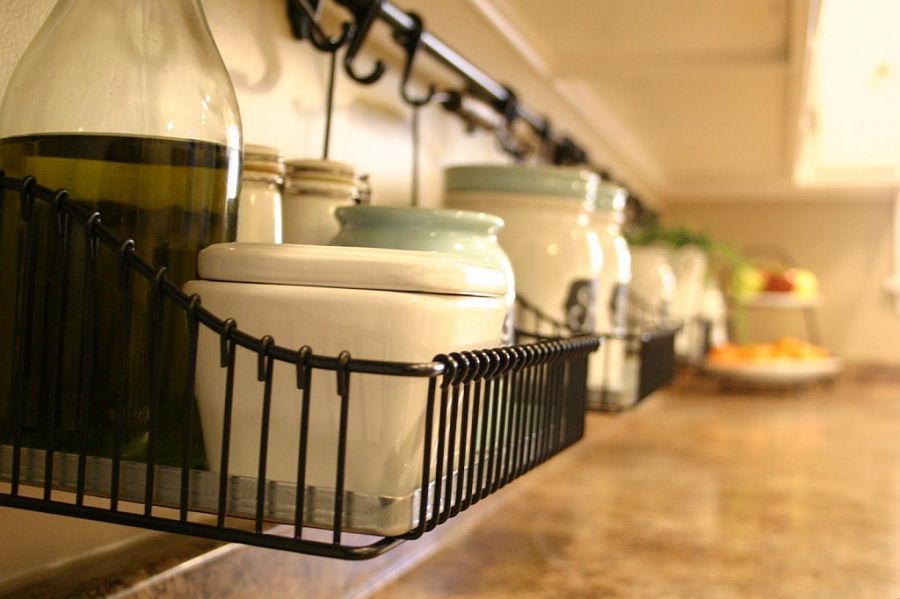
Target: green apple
[746,281]
[806,284]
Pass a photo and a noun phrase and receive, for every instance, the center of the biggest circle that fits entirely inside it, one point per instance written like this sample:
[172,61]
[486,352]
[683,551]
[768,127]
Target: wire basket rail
[485,417]
[649,344]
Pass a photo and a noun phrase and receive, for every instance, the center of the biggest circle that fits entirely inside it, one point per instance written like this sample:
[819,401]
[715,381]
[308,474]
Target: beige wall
[847,244]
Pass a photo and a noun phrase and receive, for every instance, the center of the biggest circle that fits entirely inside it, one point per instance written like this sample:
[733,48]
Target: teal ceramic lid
[563,182]
[611,197]
[422,218]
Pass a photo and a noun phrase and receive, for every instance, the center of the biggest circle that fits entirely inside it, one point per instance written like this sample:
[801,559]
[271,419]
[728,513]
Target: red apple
[778,282]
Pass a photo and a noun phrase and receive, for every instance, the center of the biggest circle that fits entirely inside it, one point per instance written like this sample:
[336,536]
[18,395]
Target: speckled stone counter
[693,494]
[699,494]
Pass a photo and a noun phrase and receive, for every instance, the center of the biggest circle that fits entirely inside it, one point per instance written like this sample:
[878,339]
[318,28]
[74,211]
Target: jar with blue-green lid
[465,233]
[548,237]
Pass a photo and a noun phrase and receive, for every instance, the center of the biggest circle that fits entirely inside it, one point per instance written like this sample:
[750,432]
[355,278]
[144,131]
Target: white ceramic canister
[469,234]
[259,205]
[377,304]
[554,252]
[313,189]
[606,376]
[652,286]
[689,263]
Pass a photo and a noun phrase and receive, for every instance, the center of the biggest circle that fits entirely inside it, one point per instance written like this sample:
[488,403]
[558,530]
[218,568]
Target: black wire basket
[486,416]
[650,360]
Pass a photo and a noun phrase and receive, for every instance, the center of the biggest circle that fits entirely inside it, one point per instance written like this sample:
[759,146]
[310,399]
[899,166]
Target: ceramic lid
[350,268]
[574,183]
[422,218]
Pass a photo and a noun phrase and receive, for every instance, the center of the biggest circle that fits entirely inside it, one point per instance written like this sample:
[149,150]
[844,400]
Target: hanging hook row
[408,30]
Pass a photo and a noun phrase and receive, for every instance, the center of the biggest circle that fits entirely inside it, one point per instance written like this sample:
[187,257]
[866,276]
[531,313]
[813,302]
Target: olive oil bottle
[128,106]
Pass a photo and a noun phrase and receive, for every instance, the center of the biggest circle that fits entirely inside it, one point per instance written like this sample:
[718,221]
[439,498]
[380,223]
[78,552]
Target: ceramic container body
[469,234]
[606,376]
[689,264]
[554,252]
[652,285]
[386,414]
[313,190]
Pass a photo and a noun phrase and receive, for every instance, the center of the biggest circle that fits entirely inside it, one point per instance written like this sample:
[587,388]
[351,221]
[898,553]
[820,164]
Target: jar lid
[563,182]
[263,158]
[422,219]
[328,170]
[611,197]
[350,268]
[321,188]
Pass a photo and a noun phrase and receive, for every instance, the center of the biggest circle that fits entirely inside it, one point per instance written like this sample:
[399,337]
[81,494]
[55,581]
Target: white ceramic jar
[377,304]
[690,264]
[313,190]
[652,286]
[555,254]
[469,234]
[259,205]
[606,376]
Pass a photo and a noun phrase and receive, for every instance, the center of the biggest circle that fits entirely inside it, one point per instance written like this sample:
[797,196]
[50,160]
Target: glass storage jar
[555,254]
[128,106]
[606,376]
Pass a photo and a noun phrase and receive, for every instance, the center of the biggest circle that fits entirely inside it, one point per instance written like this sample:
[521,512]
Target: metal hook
[363,18]
[305,25]
[509,109]
[411,41]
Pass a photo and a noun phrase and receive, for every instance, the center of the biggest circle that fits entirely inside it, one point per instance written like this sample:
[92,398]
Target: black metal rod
[233,535]
[426,460]
[343,384]
[157,358]
[124,349]
[329,104]
[451,452]
[440,456]
[88,349]
[230,351]
[302,452]
[473,443]
[463,448]
[55,376]
[264,444]
[187,404]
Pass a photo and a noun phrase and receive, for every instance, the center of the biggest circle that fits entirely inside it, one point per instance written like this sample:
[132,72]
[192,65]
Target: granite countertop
[701,494]
[696,493]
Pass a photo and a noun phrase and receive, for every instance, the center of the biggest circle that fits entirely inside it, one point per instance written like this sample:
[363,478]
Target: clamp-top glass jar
[129,106]
[606,371]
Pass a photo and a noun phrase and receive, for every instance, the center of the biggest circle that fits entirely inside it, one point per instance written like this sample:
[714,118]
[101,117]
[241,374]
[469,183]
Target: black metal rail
[487,416]
[409,31]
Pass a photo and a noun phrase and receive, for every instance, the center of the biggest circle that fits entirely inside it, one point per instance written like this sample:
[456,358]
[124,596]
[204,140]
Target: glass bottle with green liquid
[127,105]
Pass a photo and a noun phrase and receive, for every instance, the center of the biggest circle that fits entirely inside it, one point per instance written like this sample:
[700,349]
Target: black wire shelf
[649,339]
[487,416]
